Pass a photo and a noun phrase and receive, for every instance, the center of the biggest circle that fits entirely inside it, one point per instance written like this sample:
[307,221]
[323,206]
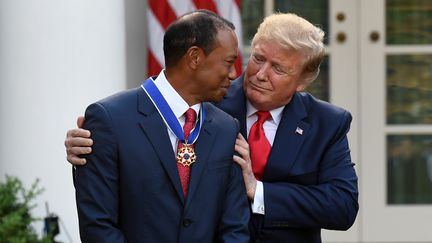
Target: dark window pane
[252,14]
[316,12]
[320,88]
[409,22]
[409,89]
[409,169]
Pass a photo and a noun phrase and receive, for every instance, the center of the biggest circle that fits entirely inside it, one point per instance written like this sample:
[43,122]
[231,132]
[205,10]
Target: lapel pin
[299,131]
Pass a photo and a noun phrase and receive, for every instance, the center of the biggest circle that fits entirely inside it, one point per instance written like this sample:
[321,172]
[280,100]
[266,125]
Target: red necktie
[184,171]
[259,145]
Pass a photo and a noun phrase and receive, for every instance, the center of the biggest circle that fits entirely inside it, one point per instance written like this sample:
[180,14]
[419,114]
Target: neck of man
[183,84]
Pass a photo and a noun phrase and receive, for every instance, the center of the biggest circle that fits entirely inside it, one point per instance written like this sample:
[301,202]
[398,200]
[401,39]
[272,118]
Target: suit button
[186,222]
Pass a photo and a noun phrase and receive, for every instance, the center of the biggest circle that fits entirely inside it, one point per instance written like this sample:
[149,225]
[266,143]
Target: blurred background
[58,56]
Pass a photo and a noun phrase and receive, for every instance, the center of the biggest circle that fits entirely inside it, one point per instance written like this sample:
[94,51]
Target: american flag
[160,13]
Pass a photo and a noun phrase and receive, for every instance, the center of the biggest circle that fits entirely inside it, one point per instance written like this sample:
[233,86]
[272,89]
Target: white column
[56,57]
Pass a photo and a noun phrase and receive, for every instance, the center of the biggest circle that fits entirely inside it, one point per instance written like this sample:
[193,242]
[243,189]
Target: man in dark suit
[149,180]
[307,181]
[296,163]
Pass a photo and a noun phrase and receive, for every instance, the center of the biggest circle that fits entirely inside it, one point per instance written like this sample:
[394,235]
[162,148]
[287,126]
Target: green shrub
[15,215]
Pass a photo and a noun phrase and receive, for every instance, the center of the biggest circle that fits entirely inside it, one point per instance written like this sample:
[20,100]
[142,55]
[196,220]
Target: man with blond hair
[296,160]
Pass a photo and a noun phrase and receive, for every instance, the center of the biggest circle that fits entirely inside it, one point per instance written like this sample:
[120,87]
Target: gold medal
[186,155]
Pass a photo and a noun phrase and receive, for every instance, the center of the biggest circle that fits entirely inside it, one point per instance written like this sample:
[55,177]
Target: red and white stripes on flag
[160,13]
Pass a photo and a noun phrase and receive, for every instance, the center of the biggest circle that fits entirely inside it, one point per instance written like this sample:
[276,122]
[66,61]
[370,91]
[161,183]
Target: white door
[396,120]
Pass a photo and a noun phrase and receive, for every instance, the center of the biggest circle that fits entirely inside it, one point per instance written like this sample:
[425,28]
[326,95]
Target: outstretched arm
[97,182]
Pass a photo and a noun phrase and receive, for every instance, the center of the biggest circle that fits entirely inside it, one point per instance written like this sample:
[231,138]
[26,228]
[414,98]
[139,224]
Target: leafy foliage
[15,215]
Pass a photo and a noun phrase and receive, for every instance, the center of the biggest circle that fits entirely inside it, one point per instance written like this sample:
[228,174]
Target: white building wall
[56,57]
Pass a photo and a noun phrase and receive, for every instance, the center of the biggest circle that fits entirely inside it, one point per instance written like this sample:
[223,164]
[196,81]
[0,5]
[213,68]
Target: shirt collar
[177,104]
[276,114]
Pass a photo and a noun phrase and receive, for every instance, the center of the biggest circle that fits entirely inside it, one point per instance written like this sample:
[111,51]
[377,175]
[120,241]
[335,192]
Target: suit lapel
[203,147]
[290,135]
[156,132]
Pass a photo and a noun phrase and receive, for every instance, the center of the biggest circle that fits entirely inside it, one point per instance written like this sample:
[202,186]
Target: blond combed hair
[294,33]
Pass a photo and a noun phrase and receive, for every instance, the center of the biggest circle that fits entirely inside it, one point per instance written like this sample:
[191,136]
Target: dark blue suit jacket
[309,181]
[130,190]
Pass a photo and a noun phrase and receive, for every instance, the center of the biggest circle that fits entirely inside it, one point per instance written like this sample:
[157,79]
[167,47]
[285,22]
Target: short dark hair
[198,28]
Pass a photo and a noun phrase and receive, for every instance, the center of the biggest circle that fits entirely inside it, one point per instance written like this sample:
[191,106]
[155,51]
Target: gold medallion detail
[186,155]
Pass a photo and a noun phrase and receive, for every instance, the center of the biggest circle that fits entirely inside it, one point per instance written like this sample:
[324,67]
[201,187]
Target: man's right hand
[78,142]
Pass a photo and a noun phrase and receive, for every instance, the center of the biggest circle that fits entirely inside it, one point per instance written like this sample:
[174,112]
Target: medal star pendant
[186,155]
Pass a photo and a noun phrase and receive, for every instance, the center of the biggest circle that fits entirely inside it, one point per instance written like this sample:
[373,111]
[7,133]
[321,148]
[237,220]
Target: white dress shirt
[270,127]
[177,104]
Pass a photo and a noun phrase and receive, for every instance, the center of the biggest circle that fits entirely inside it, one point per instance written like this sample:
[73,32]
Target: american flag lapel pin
[299,131]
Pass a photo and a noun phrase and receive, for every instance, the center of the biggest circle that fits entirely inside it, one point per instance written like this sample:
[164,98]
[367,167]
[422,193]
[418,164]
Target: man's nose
[263,71]
[232,73]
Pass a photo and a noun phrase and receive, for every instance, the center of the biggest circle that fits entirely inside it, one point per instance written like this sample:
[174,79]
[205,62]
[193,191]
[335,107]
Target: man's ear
[194,56]
[301,87]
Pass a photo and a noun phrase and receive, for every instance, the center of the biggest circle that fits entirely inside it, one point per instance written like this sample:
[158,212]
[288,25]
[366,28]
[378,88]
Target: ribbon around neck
[168,115]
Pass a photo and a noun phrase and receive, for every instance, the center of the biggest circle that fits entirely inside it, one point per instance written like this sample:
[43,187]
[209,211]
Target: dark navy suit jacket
[309,181]
[130,190]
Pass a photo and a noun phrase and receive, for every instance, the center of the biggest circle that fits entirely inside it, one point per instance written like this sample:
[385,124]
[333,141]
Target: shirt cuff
[258,202]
